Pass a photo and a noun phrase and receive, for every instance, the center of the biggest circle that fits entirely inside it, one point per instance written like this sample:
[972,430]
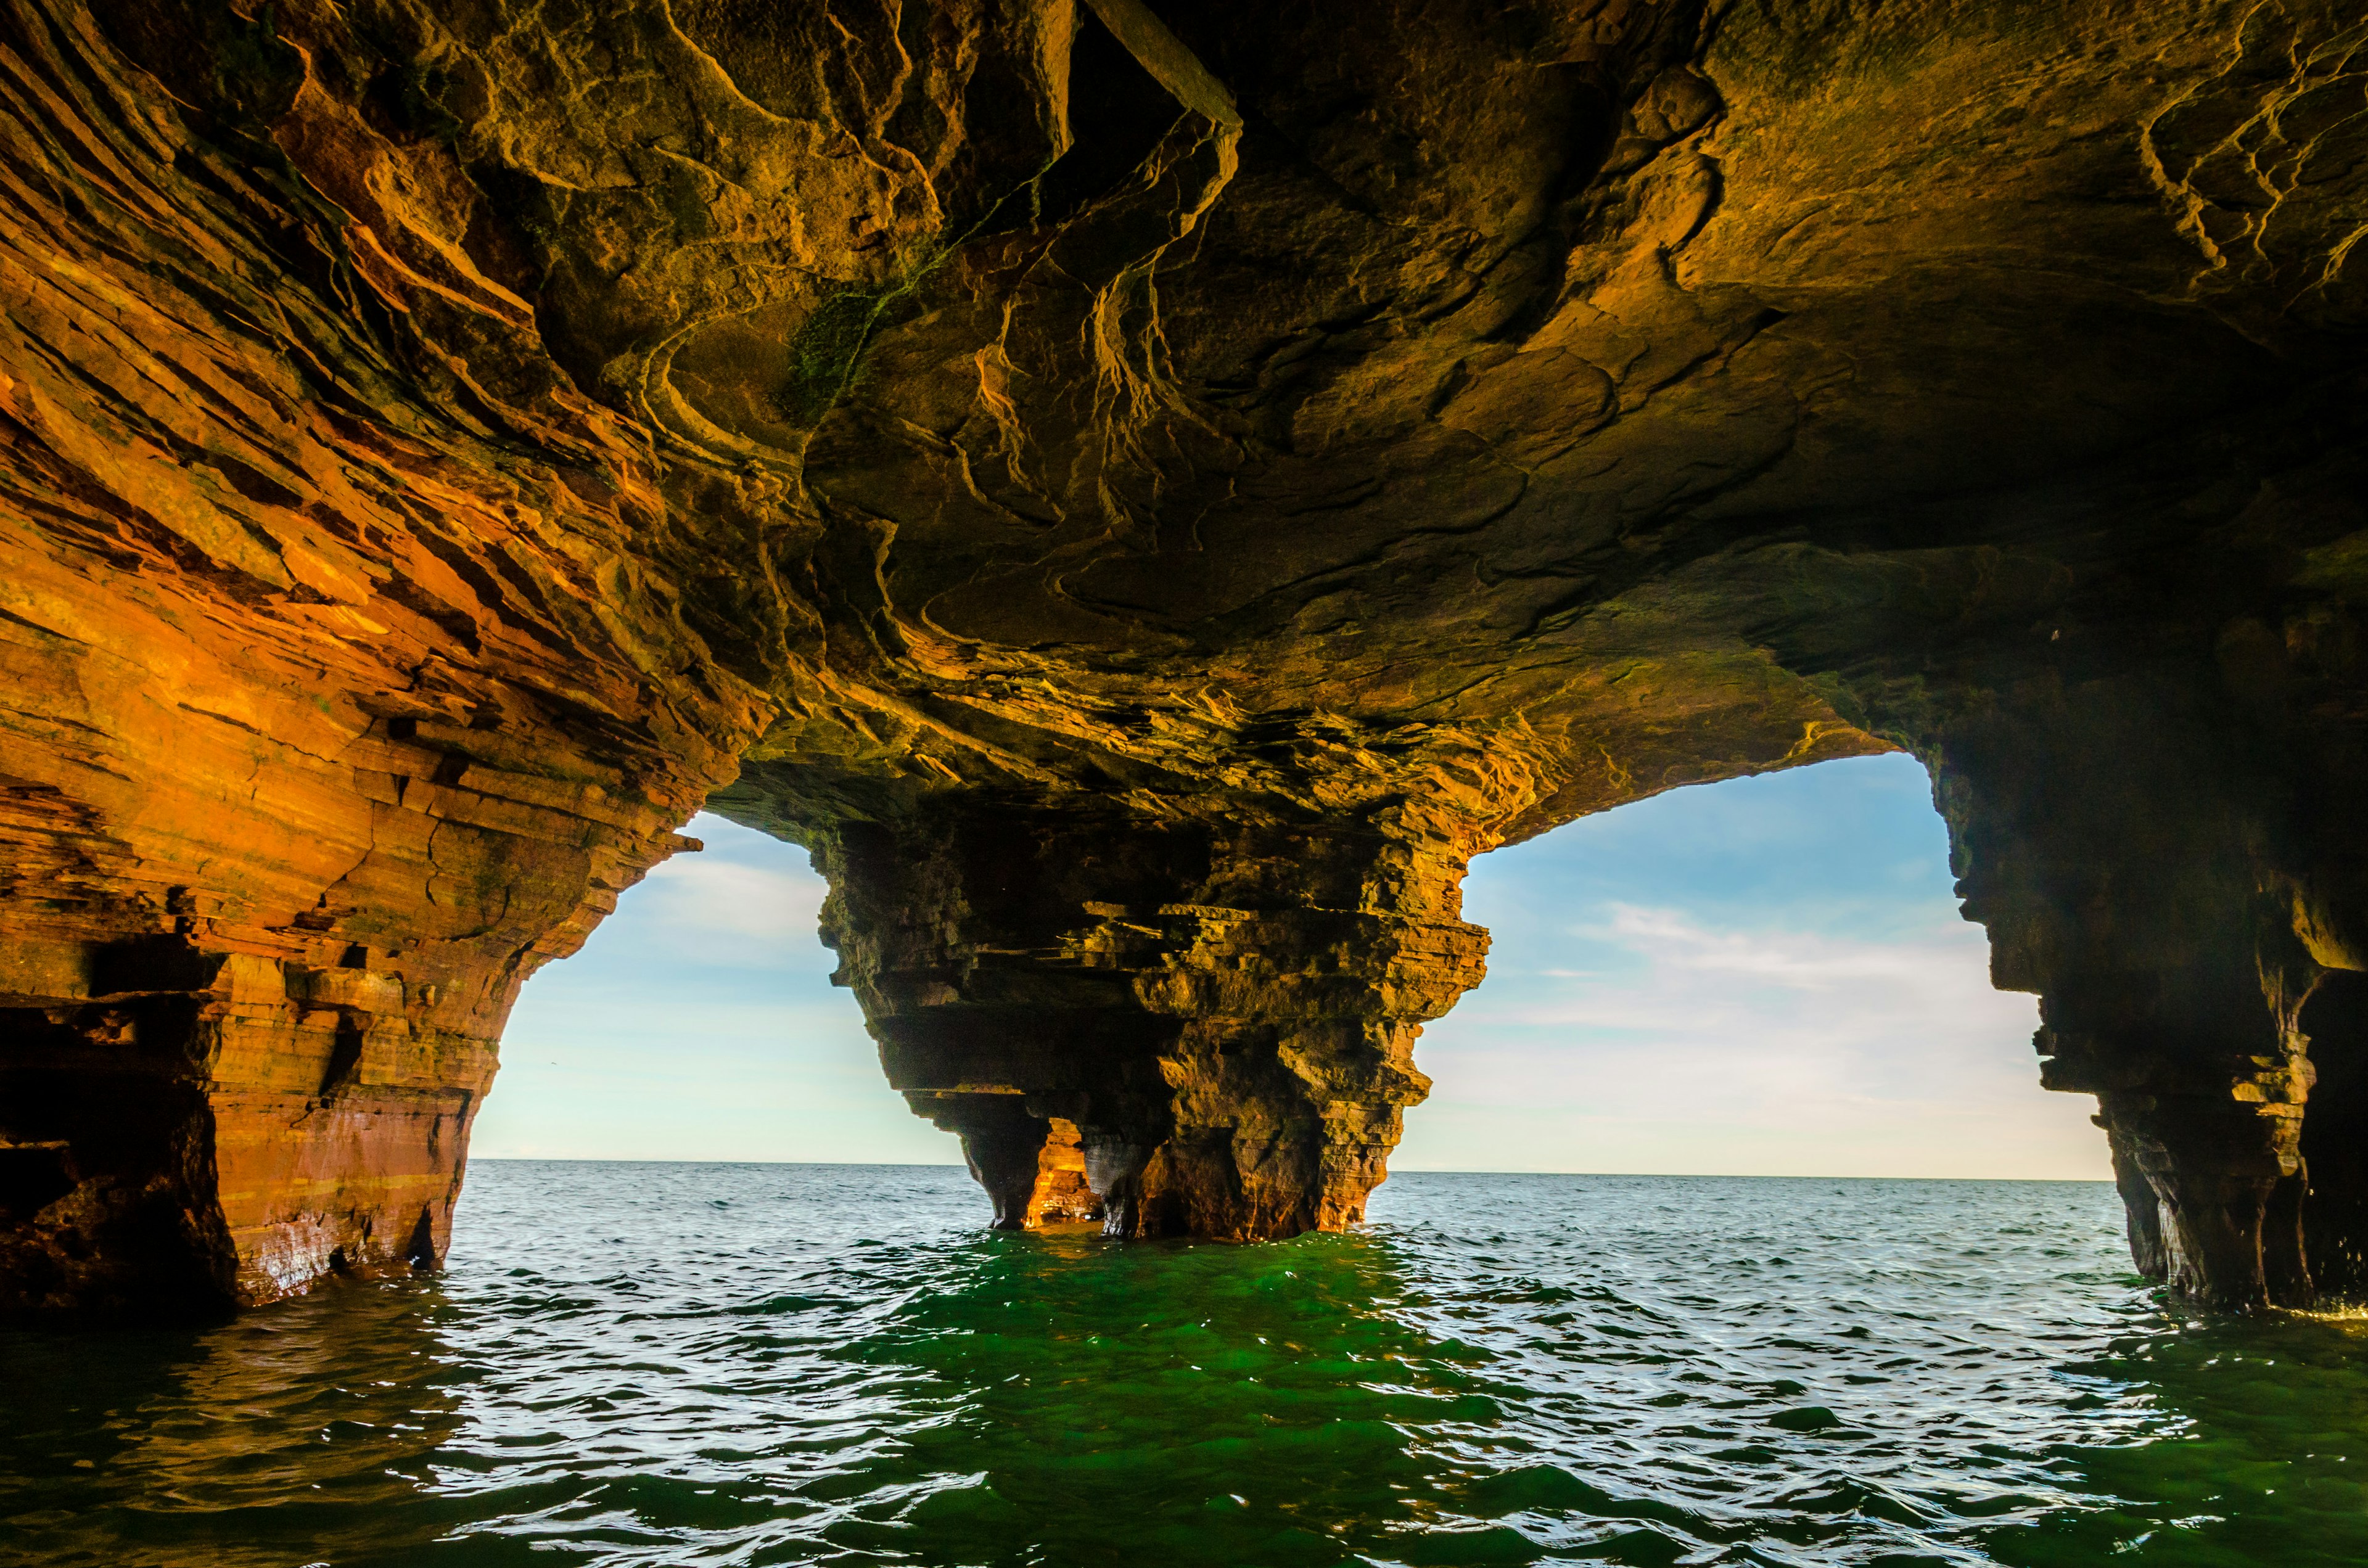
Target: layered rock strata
[1224,1015]
[1146,493]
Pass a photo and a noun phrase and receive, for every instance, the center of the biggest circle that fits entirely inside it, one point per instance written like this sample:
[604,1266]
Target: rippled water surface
[673,1365]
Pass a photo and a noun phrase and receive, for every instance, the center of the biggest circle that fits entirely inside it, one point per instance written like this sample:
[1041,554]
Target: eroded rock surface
[1225,1017]
[1146,493]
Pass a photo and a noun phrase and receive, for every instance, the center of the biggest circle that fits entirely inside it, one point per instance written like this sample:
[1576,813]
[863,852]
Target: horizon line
[948,1166]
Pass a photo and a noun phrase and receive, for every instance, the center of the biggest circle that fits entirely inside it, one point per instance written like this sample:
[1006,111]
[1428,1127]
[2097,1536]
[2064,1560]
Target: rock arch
[1144,531]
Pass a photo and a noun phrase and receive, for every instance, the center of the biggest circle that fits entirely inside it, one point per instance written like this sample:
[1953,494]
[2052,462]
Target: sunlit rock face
[1145,492]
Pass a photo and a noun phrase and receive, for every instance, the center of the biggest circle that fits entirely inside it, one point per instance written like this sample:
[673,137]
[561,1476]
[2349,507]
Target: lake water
[703,1364]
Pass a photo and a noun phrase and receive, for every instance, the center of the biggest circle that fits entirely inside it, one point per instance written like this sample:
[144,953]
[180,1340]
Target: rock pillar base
[1032,1168]
[2212,1189]
[2334,1200]
[1224,1015]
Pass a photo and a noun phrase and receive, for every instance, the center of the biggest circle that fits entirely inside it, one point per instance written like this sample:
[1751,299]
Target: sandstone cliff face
[1146,493]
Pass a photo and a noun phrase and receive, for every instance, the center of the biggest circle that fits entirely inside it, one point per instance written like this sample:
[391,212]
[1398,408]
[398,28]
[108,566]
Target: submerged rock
[1145,492]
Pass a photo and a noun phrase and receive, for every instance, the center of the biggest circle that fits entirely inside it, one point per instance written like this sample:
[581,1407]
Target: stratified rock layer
[1146,493]
[1224,1016]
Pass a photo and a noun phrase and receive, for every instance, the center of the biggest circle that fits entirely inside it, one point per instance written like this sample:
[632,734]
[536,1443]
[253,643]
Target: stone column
[1224,1012]
[2334,1144]
[2216,1209]
[2111,837]
[2201,1083]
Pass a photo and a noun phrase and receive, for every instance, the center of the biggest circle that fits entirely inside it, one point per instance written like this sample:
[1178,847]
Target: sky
[1763,977]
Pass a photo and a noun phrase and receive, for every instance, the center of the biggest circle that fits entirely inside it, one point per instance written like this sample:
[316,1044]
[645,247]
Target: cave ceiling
[1534,401]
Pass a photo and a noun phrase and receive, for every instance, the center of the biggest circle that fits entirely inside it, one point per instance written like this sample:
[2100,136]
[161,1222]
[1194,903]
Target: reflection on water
[302,1433]
[711,1364]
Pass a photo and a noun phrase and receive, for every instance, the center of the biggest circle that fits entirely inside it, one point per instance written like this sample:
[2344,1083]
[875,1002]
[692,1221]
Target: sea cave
[1145,493]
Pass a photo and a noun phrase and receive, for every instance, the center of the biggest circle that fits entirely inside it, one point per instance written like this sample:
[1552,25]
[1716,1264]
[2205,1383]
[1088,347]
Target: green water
[748,1364]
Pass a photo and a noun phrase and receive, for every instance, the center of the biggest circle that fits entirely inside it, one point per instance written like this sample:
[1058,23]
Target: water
[676,1365]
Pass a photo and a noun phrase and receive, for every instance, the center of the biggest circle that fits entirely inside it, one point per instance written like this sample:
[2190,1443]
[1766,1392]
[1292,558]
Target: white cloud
[1806,961]
[1736,1050]
[740,906]
[697,1023]
[697,893]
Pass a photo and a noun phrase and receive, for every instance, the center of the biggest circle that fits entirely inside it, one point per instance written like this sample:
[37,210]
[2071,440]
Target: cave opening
[699,1022]
[1765,976]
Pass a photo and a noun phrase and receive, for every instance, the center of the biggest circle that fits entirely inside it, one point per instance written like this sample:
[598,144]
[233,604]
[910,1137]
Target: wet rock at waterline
[1145,492]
